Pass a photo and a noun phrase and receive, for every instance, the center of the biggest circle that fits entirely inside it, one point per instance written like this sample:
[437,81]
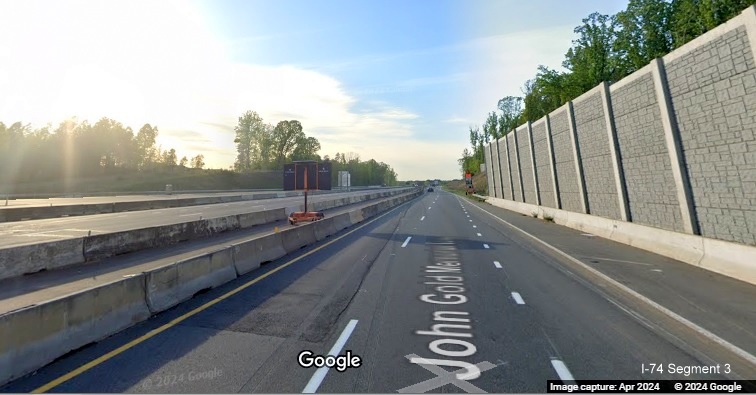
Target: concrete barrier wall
[730,259]
[35,336]
[324,228]
[41,212]
[295,238]
[249,255]
[16,261]
[170,285]
[672,146]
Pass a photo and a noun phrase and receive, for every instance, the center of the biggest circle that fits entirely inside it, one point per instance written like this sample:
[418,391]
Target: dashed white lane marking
[470,220]
[320,374]
[422,218]
[189,215]
[480,235]
[701,331]
[517,298]
[475,226]
[429,208]
[497,264]
[562,371]
[406,241]
[486,246]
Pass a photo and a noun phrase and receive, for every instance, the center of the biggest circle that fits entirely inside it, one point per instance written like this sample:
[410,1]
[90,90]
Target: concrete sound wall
[672,146]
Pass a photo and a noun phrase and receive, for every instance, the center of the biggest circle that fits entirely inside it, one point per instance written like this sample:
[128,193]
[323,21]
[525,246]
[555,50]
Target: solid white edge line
[562,371]
[422,218]
[406,241]
[497,264]
[320,374]
[518,298]
[701,331]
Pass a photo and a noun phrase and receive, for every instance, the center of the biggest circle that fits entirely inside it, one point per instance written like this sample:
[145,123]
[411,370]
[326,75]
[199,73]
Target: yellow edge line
[89,365]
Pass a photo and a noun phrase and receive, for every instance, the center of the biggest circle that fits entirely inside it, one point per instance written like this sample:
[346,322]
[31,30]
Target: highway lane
[35,231]
[515,313]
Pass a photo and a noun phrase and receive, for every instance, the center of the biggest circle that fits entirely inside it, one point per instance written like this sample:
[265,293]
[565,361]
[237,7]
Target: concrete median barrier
[170,285]
[36,335]
[249,255]
[324,228]
[342,221]
[251,219]
[117,243]
[355,216]
[275,215]
[297,237]
[27,259]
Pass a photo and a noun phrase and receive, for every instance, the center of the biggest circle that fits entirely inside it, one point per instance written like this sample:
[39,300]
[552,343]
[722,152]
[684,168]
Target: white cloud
[503,63]
[157,62]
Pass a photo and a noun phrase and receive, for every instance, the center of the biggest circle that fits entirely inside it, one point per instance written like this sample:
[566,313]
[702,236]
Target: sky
[397,81]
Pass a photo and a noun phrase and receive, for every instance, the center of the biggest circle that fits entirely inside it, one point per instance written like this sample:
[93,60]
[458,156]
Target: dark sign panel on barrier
[318,176]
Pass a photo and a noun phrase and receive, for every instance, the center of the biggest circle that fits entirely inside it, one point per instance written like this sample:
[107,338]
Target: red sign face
[468,175]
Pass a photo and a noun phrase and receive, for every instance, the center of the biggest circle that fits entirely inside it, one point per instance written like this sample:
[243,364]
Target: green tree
[490,127]
[643,33]
[511,114]
[592,60]
[198,162]
[286,134]
[169,158]
[184,161]
[146,140]
[306,148]
[254,143]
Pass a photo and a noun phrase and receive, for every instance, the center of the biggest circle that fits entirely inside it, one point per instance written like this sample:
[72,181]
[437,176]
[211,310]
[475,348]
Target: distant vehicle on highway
[430,189]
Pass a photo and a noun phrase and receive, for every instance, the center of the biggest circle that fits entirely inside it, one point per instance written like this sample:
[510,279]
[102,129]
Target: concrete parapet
[249,255]
[170,285]
[36,335]
[730,259]
[342,221]
[324,228]
[17,261]
[297,237]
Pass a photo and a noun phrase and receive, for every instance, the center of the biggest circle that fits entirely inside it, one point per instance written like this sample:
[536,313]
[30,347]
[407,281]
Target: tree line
[608,48]
[79,149]
[263,146]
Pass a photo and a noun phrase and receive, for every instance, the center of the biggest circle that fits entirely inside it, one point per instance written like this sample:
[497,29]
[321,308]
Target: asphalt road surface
[433,296]
[41,230]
